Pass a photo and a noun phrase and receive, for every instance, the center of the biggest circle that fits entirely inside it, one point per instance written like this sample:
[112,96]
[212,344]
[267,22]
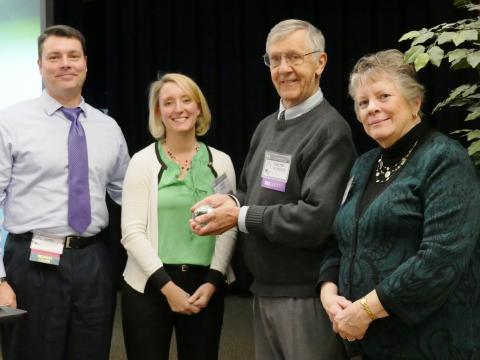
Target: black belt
[185,267]
[70,242]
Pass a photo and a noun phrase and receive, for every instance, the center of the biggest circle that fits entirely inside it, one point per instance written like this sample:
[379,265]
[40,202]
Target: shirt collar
[301,108]
[51,105]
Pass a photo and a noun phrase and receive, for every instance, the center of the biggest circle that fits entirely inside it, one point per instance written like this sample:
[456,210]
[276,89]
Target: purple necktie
[79,212]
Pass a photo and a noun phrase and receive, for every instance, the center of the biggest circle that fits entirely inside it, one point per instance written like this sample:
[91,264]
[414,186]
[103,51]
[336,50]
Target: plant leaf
[413,52]
[438,107]
[474,147]
[460,102]
[469,90]
[474,107]
[421,60]
[457,55]
[473,24]
[409,35]
[456,97]
[423,37]
[473,134]
[457,91]
[473,115]
[473,59]
[436,55]
[458,38]
[459,3]
[472,7]
[445,37]
[461,131]
[439,27]
[464,35]
[462,64]
[469,35]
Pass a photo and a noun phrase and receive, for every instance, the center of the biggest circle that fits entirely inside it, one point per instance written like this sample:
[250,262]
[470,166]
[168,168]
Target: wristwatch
[3,279]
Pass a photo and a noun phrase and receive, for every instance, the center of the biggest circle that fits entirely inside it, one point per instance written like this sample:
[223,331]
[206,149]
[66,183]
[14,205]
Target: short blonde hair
[391,63]
[155,124]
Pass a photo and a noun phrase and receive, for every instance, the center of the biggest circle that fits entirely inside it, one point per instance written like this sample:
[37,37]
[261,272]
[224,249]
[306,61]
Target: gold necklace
[384,172]
[187,164]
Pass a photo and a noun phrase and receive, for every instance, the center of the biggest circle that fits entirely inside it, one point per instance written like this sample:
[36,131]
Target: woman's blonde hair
[155,124]
[390,62]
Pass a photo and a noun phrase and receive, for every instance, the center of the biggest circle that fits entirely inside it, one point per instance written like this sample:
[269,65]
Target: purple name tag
[273,184]
[275,171]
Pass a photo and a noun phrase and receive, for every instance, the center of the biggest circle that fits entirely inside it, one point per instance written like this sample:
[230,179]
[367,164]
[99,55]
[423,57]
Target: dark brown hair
[61,31]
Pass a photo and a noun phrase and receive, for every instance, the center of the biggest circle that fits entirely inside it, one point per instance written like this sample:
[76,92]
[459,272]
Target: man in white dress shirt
[58,158]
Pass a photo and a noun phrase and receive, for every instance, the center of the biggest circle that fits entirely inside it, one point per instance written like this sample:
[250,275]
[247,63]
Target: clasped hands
[182,302]
[348,318]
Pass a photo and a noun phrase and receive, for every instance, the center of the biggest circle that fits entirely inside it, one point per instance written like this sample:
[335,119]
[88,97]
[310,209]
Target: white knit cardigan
[139,218]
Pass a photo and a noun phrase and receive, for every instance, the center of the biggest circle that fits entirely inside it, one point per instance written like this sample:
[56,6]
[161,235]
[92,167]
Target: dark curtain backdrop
[219,43]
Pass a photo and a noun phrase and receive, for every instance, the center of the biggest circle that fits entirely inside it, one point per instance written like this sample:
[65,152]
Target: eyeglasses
[292,58]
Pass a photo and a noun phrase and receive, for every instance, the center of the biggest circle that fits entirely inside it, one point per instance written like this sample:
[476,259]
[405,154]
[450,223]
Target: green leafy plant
[458,44]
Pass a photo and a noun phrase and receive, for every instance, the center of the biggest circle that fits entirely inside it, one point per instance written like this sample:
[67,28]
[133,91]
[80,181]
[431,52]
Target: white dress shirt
[34,166]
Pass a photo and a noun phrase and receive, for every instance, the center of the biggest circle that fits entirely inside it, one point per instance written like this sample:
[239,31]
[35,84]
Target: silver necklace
[383,173]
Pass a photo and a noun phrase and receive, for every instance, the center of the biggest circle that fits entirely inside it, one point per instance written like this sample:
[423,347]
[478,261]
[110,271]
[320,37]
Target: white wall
[20,25]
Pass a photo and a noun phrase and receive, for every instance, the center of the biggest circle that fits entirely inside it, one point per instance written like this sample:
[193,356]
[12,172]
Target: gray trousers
[293,329]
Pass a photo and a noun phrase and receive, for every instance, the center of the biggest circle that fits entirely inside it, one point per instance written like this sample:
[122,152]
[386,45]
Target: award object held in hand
[201,210]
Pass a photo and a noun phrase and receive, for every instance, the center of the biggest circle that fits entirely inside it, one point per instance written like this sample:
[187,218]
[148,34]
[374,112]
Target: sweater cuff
[389,307]
[215,277]
[159,278]
[330,275]
[254,219]
[242,216]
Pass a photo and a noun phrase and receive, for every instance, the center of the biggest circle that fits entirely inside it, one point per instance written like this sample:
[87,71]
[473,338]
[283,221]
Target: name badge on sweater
[46,249]
[276,168]
[221,185]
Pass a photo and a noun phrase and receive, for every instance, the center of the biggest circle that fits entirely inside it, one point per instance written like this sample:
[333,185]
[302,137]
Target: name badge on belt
[276,168]
[46,249]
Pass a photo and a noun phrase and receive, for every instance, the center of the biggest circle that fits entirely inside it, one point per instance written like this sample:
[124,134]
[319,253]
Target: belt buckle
[68,241]
[184,268]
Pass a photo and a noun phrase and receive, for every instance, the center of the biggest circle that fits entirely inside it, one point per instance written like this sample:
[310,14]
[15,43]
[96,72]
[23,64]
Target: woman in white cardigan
[174,279]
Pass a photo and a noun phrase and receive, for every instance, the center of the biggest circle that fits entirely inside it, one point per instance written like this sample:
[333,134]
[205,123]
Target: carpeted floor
[237,335]
[236,342]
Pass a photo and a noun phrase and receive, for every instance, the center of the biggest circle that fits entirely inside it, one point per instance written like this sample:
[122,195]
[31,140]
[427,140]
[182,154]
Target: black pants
[70,306]
[148,322]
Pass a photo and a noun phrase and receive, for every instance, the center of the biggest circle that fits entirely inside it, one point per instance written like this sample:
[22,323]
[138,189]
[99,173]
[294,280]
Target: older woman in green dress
[405,279]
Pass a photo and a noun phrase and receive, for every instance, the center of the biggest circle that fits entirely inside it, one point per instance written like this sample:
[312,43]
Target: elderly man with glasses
[289,191]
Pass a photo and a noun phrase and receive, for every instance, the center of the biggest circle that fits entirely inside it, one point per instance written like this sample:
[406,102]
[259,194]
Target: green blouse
[177,244]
